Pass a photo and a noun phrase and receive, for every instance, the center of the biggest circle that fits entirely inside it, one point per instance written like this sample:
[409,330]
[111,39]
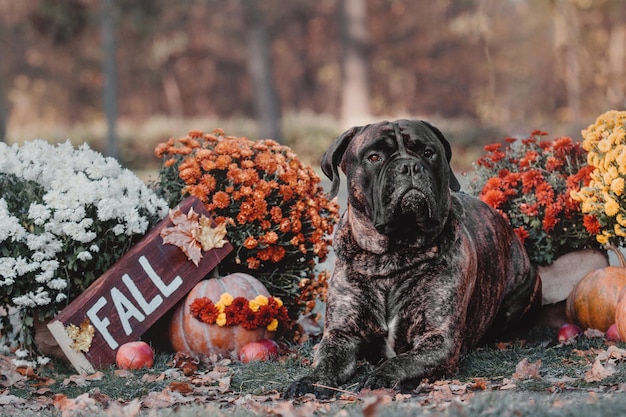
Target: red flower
[592,224]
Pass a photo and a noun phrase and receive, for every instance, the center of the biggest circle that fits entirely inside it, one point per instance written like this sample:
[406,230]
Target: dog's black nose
[410,166]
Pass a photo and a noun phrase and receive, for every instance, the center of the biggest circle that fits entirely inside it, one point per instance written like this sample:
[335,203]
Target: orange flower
[265,196]
[250,243]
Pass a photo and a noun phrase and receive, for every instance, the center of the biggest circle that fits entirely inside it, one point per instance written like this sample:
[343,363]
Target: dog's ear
[454,182]
[333,155]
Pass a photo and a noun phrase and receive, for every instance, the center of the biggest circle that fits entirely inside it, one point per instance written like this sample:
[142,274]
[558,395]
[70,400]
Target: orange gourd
[620,315]
[592,303]
[190,335]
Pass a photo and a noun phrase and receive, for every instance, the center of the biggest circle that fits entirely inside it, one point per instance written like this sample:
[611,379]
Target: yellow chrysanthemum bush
[604,197]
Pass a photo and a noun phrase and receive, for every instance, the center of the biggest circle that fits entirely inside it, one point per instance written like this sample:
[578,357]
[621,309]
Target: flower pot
[45,342]
[559,278]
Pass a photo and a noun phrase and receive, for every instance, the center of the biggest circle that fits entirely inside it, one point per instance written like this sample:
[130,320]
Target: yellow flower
[619,231]
[221,320]
[617,186]
[226,299]
[611,207]
[272,326]
[261,300]
[254,306]
[603,238]
[621,220]
[279,302]
[604,145]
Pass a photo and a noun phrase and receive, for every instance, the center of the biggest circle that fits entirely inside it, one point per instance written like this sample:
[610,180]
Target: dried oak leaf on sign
[82,336]
[192,234]
[211,237]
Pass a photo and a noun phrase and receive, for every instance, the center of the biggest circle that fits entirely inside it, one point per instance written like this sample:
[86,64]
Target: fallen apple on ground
[262,350]
[612,334]
[568,331]
[134,355]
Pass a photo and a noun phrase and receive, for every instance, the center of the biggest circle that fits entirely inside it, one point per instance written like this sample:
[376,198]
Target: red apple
[134,355]
[258,351]
[612,334]
[568,331]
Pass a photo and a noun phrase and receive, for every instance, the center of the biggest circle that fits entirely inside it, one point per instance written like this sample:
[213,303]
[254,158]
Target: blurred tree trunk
[566,42]
[355,105]
[617,43]
[109,71]
[4,112]
[267,102]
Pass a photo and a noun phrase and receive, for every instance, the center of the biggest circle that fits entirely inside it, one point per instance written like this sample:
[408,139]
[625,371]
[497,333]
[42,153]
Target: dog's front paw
[308,385]
[378,380]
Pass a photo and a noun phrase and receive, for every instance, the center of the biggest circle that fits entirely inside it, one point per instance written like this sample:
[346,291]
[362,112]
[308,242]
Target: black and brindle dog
[422,273]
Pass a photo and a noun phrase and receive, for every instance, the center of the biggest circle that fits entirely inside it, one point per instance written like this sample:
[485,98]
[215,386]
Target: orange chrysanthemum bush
[277,217]
[529,182]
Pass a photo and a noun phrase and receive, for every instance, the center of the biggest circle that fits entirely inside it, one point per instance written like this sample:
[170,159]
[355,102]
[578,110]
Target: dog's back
[500,256]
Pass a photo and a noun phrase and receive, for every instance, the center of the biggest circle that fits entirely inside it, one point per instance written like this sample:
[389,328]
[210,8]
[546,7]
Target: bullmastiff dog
[423,271]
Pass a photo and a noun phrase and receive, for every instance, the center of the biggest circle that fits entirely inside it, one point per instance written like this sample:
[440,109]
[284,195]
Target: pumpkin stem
[215,273]
[618,253]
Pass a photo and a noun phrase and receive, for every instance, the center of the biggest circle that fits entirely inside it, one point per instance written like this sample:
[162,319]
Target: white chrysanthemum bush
[66,215]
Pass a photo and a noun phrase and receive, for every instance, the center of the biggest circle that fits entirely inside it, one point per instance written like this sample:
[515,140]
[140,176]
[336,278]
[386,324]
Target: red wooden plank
[133,294]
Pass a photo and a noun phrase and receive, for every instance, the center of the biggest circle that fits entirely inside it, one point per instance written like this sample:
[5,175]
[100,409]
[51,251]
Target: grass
[255,388]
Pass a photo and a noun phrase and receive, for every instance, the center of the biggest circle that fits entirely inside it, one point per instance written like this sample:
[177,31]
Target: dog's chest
[393,300]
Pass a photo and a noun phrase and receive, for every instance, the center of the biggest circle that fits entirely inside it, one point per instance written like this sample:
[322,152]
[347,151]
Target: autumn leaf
[82,336]
[526,370]
[211,237]
[183,234]
[599,371]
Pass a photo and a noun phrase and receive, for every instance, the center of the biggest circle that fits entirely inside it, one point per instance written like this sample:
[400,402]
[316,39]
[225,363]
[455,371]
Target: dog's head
[398,176]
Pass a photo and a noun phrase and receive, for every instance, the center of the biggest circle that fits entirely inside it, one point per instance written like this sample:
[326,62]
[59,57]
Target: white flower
[75,199]
[43,360]
[118,229]
[21,353]
[57,284]
[7,268]
[38,213]
[9,225]
[84,256]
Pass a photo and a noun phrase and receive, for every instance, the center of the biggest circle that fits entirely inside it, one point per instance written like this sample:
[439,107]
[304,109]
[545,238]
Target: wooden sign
[132,295]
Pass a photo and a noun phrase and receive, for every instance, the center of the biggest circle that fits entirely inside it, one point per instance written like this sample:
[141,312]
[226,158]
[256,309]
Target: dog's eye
[374,157]
[428,153]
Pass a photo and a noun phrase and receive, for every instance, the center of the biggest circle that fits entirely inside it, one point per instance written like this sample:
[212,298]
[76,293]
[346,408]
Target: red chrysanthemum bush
[529,182]
[277,217]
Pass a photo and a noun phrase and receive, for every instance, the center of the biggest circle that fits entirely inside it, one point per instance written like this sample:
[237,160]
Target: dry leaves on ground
[206,383]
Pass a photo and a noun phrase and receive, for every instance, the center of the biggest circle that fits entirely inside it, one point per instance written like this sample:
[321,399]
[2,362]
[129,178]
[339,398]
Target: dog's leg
[434,356]
[335,363]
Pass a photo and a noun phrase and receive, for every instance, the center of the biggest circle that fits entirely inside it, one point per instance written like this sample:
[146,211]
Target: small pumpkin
[593,301]
[190,335]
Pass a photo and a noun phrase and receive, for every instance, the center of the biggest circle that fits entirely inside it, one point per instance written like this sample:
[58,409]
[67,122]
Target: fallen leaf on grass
[83,379]
[525,370]
[605,364]
[598,371]
[70,406]
[124,410]
[11,399]
[179,386]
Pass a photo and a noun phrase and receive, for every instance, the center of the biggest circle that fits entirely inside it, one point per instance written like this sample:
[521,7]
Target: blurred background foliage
[302,71]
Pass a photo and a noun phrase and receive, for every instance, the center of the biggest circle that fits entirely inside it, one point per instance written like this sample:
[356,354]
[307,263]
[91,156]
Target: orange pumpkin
[620,315]
[190,335]
[593,301]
